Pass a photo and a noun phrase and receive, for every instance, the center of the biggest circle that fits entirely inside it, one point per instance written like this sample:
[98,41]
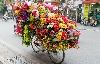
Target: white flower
[50,25]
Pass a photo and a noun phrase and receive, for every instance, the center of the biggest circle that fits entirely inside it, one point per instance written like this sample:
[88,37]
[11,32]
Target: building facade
[7,2]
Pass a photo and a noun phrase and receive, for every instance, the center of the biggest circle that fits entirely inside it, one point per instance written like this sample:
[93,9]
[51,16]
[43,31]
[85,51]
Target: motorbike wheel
[86,23]
[94,24]
[81,22]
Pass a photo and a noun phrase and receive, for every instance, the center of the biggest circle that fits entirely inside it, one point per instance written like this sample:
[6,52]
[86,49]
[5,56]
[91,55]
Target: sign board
[86,10]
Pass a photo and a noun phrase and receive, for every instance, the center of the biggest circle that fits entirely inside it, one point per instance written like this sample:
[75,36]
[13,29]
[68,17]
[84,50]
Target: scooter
[84,22]
[93,22]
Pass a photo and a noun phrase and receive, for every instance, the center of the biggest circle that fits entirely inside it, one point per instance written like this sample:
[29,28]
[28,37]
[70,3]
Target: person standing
[13,11]
[5,9]
[5,17]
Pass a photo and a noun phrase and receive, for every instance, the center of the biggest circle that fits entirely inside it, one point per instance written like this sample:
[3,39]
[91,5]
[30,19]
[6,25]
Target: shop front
[91,9]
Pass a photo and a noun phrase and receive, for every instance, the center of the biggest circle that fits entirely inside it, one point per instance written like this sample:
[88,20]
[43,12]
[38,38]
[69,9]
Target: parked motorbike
[84,22]
[93,22]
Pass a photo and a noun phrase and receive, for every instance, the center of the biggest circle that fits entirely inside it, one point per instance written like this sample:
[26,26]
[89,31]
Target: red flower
[76,41]
[17,8]
[64,19]
[57,16]
[68,36]
[37,31]
[56,28]
[43,31]
[46,31]
[20,18]
[72,44]
[76,33]
[25,7]
[56,22]
[64,35]
[48,20]
[34,13]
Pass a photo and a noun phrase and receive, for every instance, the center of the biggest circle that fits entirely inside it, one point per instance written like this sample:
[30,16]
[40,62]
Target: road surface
[89,42]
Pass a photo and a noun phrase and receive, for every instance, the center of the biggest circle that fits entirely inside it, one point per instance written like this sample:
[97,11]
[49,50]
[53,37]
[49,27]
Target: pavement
[12,50]
[12,55]
[82,27]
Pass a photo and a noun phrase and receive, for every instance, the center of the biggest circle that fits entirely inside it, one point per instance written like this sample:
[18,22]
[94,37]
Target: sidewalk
[12,55]
[82,27]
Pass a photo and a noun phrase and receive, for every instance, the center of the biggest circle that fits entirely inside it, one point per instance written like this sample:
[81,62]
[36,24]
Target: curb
[89,29]
[18,56]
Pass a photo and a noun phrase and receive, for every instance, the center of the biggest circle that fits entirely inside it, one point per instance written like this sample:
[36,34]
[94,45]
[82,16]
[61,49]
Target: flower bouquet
[55,32]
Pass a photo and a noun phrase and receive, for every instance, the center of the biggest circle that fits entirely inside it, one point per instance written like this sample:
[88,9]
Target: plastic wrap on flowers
[54,31]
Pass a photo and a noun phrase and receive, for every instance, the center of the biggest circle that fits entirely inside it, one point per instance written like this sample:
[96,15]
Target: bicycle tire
[14,28]
[55,62]
[34,46]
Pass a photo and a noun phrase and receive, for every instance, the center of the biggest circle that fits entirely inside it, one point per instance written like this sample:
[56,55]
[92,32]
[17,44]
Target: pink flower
[76,41]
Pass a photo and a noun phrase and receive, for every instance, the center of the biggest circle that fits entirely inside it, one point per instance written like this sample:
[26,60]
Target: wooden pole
[76,15]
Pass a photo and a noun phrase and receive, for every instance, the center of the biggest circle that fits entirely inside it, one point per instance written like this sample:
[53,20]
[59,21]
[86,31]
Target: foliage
[1,1]
[61,1]
[1,6]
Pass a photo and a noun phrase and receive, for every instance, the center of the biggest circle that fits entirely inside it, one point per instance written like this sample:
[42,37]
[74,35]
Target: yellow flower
[45,37]
[60,43]
[74,27]
[69,24]
[61,25]
[43,20]
[31,17]
[68,46]
[44,44]
[59,35]
[27,39]
[24,38]
[60,47]
[17,12]
[31,8]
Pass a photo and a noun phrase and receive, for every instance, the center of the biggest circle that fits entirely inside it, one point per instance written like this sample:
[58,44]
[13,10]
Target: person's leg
[4,19]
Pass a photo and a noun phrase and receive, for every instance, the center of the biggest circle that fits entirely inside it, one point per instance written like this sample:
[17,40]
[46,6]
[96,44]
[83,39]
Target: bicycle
[54,56]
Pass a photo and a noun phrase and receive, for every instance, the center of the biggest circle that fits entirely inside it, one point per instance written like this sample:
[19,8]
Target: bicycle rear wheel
[36,45]
[57,57]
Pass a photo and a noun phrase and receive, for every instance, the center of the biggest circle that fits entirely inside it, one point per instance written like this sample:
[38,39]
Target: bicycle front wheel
[57,57]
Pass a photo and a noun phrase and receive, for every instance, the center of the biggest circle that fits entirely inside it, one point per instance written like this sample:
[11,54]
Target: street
[89,43]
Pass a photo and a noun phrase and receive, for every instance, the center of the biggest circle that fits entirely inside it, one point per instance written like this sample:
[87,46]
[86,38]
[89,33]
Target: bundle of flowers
[55,32]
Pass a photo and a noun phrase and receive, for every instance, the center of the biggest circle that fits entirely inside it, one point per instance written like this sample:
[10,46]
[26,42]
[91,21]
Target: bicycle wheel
[81,22]
[14,28]
[57,57]
[36,45]
[86,23]
[94,24]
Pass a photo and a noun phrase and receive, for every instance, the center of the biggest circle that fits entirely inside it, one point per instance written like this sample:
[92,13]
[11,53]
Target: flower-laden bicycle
[46,31]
